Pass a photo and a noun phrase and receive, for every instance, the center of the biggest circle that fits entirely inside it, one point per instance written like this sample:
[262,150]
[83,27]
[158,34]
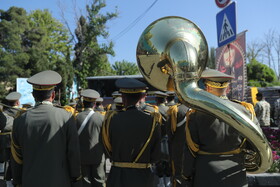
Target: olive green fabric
[92,151]
[215,136]
[47,140]
[128,132]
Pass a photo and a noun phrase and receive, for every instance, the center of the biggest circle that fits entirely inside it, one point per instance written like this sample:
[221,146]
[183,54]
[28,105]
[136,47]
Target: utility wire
[130,26]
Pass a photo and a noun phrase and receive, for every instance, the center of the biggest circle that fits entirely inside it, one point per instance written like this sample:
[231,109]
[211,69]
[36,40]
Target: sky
[258,17]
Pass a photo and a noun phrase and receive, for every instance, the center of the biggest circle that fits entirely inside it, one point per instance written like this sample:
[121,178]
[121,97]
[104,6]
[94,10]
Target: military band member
[213,156]
[163,167]
[99,106]
[92,153]
[131,139]
[112,106]
[13,103]
[45,144]
[12,109]
[119,104]
[170,98]
[176,125]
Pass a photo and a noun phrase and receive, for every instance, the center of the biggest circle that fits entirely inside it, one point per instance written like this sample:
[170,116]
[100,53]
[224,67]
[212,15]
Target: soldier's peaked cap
[45,80]
[100,99]
[90,95]
[215,78]
[160,94]
[170,93]
[13,96]
[215,75]
[129,85]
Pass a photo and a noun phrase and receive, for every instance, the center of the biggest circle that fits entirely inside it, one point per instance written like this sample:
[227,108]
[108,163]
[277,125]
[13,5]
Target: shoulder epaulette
[248,106]
[172,113]
[69,109]
[193,147]
[105,130]
[157,117]
[154,106]
[20,112]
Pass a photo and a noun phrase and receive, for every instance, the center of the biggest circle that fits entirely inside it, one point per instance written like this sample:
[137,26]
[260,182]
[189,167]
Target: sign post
[226,25]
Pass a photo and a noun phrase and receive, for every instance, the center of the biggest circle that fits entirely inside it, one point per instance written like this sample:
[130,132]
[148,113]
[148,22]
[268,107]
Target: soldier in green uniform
[213,156]
[119,104]
[13,103]
[13,110]
[175,126]
[170,98]
[92,153]
[131,139]
[45,143]
[98,105]
[163,167]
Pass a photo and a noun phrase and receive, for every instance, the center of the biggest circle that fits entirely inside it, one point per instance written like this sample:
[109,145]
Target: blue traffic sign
[226,25]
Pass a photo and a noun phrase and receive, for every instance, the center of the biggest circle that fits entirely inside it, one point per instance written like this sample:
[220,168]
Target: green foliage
[13,57]
[30,43]
[125,68]
[260,75]
[90,56]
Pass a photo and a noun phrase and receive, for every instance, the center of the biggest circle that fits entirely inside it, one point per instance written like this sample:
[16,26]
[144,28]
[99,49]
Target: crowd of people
[148,145]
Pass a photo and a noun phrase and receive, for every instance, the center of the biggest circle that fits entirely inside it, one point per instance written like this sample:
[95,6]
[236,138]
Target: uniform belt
[236,151]
[131,165]
[5,133]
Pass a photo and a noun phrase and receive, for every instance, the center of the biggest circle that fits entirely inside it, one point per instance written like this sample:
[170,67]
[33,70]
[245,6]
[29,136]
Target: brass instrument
[171,54]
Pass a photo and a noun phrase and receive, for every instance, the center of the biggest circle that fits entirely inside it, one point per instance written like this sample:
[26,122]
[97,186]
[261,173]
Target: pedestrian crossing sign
[226,25]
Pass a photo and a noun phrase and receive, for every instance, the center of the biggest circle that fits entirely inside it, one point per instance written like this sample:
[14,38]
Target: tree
[254,50]
[260,75]
[50,48]
[90,56]
[125,68]
[32,43]
[13,57]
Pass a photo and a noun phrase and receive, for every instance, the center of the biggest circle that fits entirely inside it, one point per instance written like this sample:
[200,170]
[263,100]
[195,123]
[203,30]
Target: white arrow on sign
[227,31]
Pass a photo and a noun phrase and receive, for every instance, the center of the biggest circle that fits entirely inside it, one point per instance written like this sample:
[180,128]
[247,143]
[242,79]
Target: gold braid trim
[192,145]
[154,106]
[249,107]
[17,156]
[157,119]
[131,90]
[216,84]
[172,112]
[105,130]
[5,133]
[42,87]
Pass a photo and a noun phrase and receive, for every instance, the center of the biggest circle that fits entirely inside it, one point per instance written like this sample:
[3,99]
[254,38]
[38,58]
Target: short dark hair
[133,98]
[41,95]
[88,104]
[259,94]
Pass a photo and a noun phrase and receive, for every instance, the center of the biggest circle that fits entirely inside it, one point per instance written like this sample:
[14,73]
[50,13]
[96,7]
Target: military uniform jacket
[177,137]
[14,111]
[163,111]
[128,132]
[215,136]
[92,151]
[46,148]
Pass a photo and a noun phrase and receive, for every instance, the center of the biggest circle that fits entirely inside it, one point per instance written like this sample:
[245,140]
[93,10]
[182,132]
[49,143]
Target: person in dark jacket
[89,125]
[45,144]
[213,156]
[131,139]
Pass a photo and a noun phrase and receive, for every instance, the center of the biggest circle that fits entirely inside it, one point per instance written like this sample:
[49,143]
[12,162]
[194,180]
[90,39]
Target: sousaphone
[171,54]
